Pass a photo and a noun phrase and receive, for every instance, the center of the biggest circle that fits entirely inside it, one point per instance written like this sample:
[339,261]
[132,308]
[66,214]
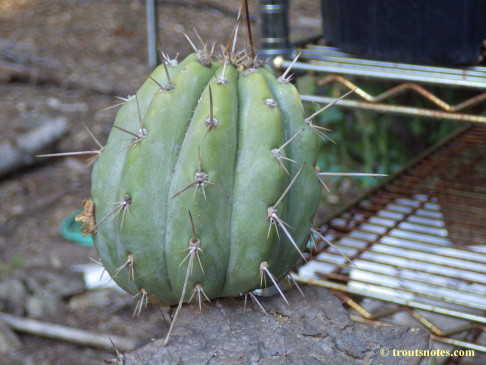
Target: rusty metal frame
[336,65]
[452,170]
[461,195]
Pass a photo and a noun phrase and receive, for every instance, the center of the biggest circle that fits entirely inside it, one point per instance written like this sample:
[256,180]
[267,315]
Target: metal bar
[393,299]
[458,343]
[428,245]
[339,68]
[420,227]
[400,89]
[458,300]
[340,63]
[462,195]
[406,110]
[152,24]
[383,257]
[459,217]
[425,270]
[321,53]
[441,339]
[370,213]
[429,275]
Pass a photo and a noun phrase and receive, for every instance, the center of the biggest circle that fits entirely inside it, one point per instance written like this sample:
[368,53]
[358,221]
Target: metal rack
[418,241]
[337,66]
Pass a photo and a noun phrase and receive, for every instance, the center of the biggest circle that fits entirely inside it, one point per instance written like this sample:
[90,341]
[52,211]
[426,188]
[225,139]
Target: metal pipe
[465,77]
[421,112]
[152,26]
[393,299]
[273,26]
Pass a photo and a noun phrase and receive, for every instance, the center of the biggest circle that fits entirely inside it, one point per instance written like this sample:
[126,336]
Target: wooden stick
[15,154]
[69,334]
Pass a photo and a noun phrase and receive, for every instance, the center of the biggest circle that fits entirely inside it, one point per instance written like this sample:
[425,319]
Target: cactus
[206,186]
[206,183]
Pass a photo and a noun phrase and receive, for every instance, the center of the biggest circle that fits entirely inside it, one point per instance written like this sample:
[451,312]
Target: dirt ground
[79,55]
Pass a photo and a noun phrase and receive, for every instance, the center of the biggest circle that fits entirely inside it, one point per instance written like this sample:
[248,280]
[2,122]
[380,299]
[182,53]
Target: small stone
[13,295]
[43,305]
[8,339]
[99,299]
[59,282]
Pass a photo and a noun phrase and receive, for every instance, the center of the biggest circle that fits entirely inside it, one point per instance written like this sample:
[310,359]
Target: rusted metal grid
[417,241]
[340,66]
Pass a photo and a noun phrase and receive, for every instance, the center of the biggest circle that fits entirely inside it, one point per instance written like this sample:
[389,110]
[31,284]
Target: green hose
[70,230]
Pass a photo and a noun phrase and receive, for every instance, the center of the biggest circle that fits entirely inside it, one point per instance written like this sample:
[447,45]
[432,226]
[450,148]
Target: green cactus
[206,186]
[206,183]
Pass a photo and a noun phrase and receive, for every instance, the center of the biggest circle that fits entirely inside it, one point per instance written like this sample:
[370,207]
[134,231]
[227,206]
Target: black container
[440,32]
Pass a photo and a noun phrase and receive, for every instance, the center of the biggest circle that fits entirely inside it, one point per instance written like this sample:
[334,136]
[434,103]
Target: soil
[79,55]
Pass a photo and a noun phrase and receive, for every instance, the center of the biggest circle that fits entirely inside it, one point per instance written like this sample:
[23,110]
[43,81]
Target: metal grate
[418,241]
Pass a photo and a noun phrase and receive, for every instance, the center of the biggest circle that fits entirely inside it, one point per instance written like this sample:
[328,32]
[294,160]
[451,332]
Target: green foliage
[369,141]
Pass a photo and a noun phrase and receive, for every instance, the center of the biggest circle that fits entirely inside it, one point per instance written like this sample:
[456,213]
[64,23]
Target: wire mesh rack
[417,243]
[416,247]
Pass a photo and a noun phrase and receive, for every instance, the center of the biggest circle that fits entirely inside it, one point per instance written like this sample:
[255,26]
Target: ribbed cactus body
[210,145]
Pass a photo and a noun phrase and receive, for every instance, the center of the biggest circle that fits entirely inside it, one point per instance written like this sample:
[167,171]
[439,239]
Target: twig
[69,334]
[20,152]
[11,72]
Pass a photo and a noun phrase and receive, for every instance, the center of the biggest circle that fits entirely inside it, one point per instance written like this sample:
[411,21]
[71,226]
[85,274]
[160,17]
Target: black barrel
[440,32]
